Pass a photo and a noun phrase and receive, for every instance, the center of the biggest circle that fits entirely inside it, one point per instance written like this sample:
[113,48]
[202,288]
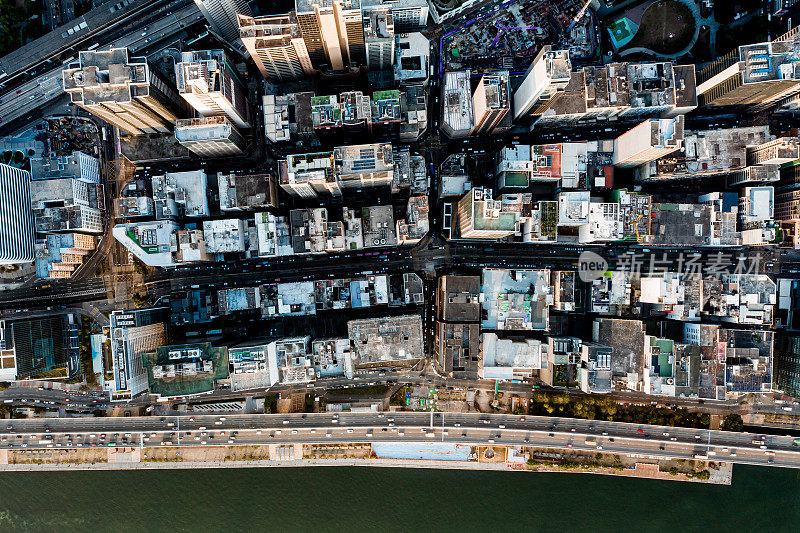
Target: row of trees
[606,408]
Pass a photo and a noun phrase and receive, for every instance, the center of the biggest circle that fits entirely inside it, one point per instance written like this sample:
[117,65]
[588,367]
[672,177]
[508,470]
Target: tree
[733,422]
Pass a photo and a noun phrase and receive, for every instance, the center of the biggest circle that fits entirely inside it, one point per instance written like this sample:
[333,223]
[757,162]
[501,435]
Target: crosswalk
[209,407]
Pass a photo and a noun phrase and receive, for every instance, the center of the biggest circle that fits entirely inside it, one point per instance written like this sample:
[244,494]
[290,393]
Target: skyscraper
[211,86]
[321,32]
[16,231]
[124,91]
[378,36]
[221,15]
[133,333]
[755,76]
[333,32]
[276,45]
[490,102]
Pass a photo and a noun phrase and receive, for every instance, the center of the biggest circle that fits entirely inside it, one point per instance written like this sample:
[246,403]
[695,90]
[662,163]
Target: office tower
[490,102]
[320,29]
[550,72]
[787,363]
[210,136]
[755,76]
[124,91]
[133,333]
[354,31]
[276,45]
[650,140]
[332,30]
[211,86]
[409,15]
[16,231]
[221,16]
[378,37]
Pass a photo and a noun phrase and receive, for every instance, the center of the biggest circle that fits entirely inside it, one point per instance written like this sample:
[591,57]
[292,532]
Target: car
[639,431]
[569,445]
[666,433]
[458,425]
[573,430]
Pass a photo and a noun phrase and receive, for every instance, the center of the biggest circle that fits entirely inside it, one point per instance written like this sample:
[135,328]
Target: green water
[359,499]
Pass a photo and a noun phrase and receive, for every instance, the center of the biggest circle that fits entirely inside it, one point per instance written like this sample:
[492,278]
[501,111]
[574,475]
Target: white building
[209,83]
[504,359]
[550,72]
[650,140]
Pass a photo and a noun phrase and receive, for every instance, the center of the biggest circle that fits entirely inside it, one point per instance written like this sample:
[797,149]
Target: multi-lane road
[212,430]
[295,268]
[164,21]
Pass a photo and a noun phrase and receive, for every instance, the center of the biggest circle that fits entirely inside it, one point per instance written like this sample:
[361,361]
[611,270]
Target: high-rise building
[550,72]
[277,46]
[787,363]
[309,175]
[364,166]
[490,102]
[354,31]
[320,24]
[755,77]
[124,91]
[551,95]
[133,333]
[354,168]
[209,83]
[409,15]
[210,136]
[333,31]
[16,231]
[481,217]
[458,117]
[378,36]
[221,16]
[650,140]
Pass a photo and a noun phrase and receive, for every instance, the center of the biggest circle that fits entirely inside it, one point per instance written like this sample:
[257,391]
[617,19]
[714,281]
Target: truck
[590,441]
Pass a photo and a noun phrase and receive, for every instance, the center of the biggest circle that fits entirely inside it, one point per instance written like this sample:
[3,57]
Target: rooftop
[459,298]
[246,191]
[515,299]
[224,236]
[457,112]
[387,340]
